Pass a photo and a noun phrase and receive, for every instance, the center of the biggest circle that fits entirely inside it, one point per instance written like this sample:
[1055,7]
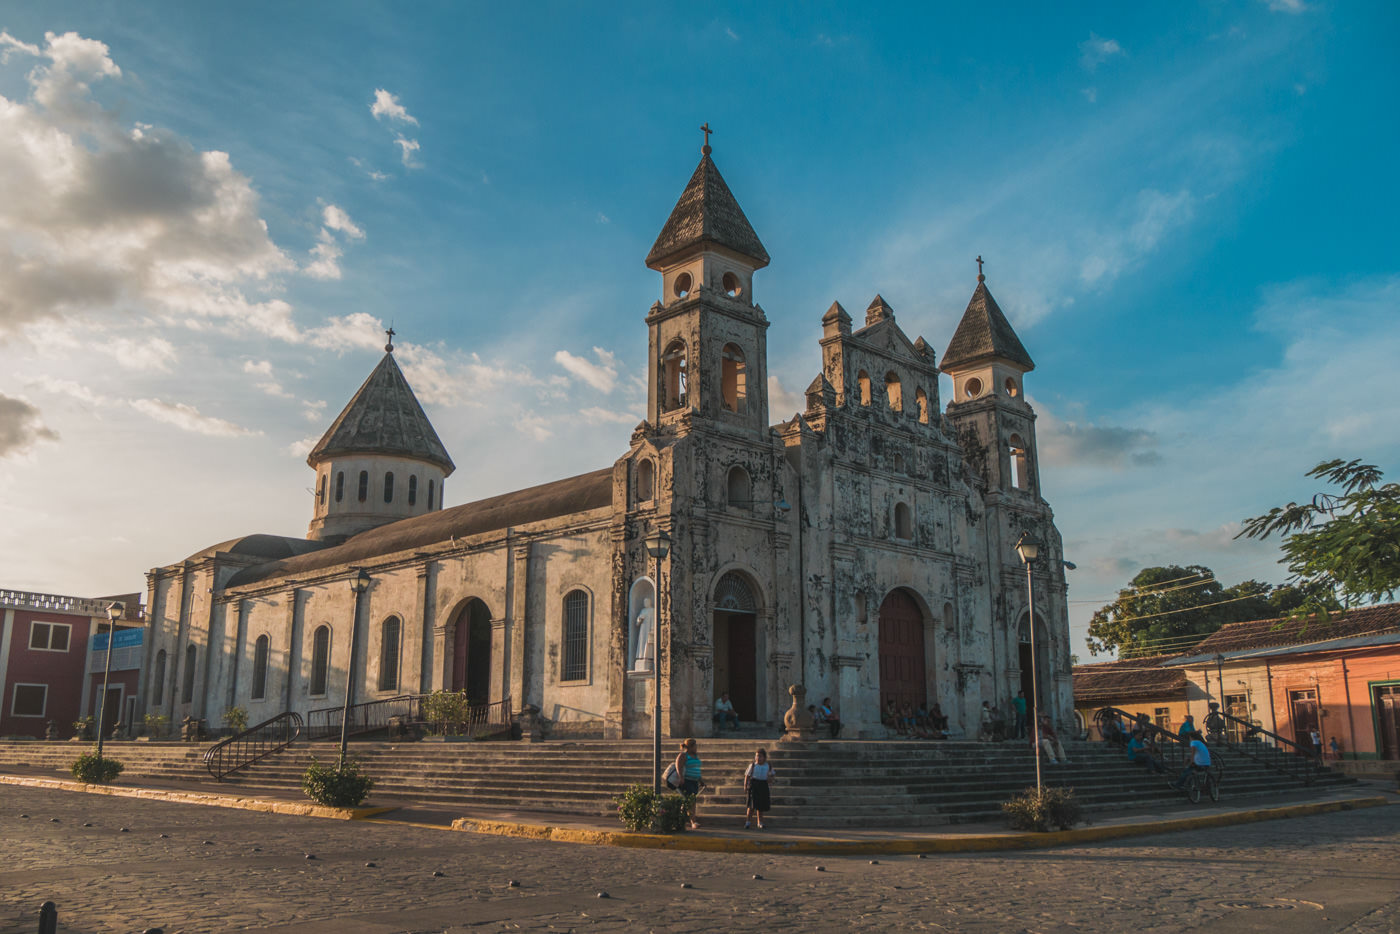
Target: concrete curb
[904,846]
[195,797]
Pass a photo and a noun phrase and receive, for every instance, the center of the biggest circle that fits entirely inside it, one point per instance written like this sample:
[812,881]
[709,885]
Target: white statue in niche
[642,637]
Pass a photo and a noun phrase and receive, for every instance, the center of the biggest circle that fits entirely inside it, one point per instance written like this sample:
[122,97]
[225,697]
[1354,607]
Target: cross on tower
[980,277]
[389,347]
[705,128]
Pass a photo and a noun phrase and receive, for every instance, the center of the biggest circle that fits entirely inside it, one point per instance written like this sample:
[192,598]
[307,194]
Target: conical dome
[707,213]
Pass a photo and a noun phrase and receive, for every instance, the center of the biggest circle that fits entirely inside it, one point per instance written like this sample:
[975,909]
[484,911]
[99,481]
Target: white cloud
[1153,215]
[387,106]
[188,418]
[1286,6]
[782,403]
[21,426]
[299,449]
[335,218]
[1096,50]
[314,409]
[596,414]
[408,147]
[264,378]
[355,331]
[731,33]
[71,389]
[1064,443]
[602,375]
[9,45]
[325,257]
[139,354]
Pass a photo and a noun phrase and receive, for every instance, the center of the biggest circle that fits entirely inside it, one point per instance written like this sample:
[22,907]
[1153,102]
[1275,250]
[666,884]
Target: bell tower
[988,408]
[707,337]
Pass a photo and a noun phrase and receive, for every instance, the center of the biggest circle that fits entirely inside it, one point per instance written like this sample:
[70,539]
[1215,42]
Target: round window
[681,285]
[972,388]
[732,286]
[1011,387]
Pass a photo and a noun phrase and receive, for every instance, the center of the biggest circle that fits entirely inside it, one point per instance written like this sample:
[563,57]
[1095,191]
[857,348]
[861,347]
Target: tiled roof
[707,213]
[547,501]
[1128,679]
[984,332]
[384,417]
[1267,633]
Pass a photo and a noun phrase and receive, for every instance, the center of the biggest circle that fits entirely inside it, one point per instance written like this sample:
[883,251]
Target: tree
[1344,546]
[1165,609]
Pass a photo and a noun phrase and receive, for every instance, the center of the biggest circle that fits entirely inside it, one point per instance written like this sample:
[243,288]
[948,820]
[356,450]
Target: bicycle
[1203,778]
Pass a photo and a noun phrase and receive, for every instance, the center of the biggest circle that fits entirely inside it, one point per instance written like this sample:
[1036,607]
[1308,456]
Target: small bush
[89,768]
[85,728]
[236,719]
[156,725]
[336,787]
[448,711]
[636,807]
[1050,808]
[673,812]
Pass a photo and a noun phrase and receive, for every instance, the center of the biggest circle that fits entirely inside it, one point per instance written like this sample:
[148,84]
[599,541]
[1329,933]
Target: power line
[1187,609]
[1150,593]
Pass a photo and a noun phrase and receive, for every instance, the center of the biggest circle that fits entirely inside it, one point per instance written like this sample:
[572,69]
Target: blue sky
[208,211]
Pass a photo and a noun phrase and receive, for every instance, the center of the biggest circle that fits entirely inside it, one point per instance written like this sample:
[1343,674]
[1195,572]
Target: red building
[46,660]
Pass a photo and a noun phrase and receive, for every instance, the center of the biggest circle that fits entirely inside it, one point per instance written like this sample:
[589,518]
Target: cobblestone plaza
[190,868]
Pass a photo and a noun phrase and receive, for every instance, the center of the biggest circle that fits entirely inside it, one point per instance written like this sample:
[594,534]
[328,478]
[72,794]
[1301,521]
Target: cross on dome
[705,128]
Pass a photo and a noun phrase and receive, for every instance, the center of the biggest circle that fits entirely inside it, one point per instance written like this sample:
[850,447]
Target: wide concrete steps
[819,784]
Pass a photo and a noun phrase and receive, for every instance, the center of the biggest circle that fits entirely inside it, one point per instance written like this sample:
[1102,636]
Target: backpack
[671,777]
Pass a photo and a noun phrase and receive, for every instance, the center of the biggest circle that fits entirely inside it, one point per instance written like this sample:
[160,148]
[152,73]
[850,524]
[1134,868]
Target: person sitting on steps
[1048,742]
[724,713]
[830,717]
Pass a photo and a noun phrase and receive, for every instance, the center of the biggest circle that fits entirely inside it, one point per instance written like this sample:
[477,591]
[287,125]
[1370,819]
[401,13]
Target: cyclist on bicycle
[1200,759]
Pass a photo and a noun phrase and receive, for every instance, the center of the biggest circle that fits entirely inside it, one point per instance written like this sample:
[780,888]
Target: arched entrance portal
[471,652]
[1033,695]
[902,676]
[736,645]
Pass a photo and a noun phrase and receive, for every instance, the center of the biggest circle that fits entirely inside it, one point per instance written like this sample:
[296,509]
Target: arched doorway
[1042,652]
[736,644]
[471,652]
[902,677]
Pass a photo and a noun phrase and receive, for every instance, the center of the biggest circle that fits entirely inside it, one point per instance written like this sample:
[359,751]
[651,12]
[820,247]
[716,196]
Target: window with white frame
[29,700]
[49,637]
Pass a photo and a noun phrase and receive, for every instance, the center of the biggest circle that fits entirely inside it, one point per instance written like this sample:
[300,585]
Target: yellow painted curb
[294,808]
[902,846]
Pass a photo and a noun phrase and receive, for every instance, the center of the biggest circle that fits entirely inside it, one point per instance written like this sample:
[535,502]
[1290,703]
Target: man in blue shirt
[1140,754]
[1188,726]
[1200,759]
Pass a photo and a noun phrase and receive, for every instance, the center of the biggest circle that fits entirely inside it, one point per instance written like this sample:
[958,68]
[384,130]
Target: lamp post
[359,584]
[1220,677]
[1029,549]
[114,612]
[658,546]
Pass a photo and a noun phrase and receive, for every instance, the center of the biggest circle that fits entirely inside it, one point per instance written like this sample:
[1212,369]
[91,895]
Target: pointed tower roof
[984,332]
[384,417]
[707,213]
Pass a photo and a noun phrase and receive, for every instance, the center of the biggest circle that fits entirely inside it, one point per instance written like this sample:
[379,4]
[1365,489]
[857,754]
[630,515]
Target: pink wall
[61,671]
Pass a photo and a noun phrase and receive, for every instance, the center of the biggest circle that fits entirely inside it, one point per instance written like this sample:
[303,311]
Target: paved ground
[1332,872]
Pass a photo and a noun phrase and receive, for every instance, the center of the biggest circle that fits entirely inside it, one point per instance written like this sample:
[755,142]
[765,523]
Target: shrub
[336,786]
[96,771]
[447,710]
[636,807]
[236,719]
[673,812]
[85,727]
[1051,807]
[156,725]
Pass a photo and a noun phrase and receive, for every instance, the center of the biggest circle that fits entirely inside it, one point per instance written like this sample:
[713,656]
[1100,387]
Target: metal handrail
[1175,752]
[373,716]
[257,742]
[1288,757]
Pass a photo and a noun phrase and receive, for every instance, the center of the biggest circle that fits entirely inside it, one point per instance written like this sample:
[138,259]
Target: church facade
[863,548]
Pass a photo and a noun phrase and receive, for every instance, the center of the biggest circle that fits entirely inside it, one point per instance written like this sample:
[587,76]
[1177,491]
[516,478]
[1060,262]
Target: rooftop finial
[980,277]
[705,128]
[389,347]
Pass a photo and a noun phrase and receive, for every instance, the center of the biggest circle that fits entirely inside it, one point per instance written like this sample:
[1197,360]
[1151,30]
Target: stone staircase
[818,784]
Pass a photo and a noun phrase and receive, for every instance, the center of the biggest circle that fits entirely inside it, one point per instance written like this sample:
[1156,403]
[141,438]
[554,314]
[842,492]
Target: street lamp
[359,584]
[658,546]
[1029,549]
[114,612]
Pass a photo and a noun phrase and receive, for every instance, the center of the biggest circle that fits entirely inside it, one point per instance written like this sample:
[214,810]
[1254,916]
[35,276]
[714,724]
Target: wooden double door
[902,673]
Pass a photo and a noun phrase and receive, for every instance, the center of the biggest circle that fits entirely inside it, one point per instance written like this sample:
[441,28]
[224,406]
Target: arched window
[738,488]
[734,594]
[863,385]
[673,375]
[413,490]
[260,668]
[430,496]
[894,393]
[389,654]
[646,480]
[1020,475]
[364,485]
[389,486]
[903,522]
[339,485]
[921,400]
[320,660]
[187,692]
[733,378]
[575,636]
[158,680]
[321,491]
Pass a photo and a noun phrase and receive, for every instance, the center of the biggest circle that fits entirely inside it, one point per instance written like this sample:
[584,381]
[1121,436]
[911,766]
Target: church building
[862,548]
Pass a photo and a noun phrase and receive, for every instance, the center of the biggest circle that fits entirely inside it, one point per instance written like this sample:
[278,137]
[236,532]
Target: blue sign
[125,639]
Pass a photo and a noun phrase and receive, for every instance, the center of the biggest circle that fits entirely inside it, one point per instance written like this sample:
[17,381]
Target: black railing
[257,742]
[1174,751]
[409,713]
[1280,754]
